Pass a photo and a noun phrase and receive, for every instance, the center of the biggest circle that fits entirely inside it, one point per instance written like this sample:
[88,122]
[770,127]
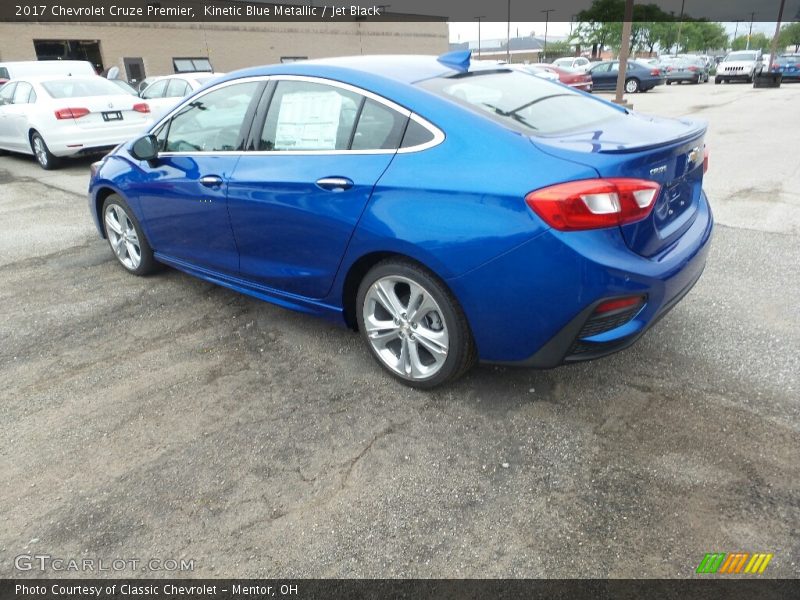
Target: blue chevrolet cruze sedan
[451,211]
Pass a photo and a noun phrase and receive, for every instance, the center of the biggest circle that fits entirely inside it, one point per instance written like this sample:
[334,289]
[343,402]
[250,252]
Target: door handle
[335,184]
[211,181]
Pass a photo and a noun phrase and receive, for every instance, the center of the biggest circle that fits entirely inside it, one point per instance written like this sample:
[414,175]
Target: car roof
[399,68]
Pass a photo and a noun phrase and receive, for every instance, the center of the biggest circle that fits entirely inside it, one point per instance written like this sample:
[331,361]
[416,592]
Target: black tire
[668,82]
[147,263]
[46,159]
[632,85]
[717,80]
[461,353]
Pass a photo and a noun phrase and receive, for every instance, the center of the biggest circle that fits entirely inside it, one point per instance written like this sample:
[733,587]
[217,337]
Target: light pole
[546,23]
[479,33]
[508,35]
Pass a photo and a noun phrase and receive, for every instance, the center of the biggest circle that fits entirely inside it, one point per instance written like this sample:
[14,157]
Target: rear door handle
[335,184]
[211,181]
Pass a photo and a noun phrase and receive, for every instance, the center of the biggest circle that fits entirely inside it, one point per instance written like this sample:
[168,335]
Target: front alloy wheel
[413,326]
[126,238]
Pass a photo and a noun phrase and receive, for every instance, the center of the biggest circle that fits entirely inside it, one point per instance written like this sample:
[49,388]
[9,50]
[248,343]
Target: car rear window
[522,102]
[78,88]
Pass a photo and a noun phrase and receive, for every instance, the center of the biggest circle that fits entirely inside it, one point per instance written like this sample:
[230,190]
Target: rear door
[603,77]
[295,199]
[183,196]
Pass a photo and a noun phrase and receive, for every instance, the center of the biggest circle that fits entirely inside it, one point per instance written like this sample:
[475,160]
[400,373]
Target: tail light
[71,113]
[142,107]
[693,69]
[594,203]
[655,72]
[705,160]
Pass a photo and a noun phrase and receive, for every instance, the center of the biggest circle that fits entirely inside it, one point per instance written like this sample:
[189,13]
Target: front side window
[22,93]
[155,90]
[7,92]
[522,102]
[212,122]
[177,88]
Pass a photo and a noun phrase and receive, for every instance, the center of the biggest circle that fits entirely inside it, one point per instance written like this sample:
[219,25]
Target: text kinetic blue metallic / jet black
[452,211]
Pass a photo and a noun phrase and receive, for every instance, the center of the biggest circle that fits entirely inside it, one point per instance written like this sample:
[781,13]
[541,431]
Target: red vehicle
[578,79]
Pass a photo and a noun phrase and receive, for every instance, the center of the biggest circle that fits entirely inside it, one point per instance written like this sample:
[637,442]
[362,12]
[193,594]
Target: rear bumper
[74,140]
[544,292]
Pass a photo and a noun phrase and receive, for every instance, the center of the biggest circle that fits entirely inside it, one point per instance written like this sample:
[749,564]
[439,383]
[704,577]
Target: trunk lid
[667,151]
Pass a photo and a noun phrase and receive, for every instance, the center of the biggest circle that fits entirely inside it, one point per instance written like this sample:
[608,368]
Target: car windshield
[524,103]
[740,56]
[78,88]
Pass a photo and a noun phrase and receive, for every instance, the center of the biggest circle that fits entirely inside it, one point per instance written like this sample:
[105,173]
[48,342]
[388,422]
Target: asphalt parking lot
[168,418]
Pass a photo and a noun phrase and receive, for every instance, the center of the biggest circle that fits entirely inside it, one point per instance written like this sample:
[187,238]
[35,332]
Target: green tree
[758,41]
[790,36]
[704,36]
[600,25]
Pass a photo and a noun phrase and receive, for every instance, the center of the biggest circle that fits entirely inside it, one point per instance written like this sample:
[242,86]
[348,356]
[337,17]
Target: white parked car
[54,117]
[162,93]
[576,63]
[740,65]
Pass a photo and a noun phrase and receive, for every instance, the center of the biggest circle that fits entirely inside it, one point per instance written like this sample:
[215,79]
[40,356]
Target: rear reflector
[705,160]
[594,203]
[142,107]
[71,113]
[618,304]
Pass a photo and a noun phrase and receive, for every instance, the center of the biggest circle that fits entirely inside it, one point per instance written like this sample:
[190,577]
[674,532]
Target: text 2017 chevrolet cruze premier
[451,211]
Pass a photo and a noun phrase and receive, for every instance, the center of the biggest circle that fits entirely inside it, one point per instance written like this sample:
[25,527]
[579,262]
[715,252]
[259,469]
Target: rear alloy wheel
[126,238]
[46,159]
[632,86]
[413,326]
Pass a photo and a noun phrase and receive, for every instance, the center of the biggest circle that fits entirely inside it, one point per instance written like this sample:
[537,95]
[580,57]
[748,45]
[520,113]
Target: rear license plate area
[112,115]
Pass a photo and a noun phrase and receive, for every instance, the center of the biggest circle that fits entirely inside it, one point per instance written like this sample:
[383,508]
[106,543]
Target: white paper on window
[308,121]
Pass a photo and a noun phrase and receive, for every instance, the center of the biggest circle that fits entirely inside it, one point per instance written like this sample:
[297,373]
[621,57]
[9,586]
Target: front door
[184,194]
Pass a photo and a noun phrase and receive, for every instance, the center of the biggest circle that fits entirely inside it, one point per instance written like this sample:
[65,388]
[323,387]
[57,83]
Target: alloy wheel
[406,327]
[123,237]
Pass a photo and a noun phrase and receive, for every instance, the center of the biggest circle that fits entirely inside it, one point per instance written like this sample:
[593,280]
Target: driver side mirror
[145,147]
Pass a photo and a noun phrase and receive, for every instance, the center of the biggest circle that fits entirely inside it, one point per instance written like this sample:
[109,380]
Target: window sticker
[308,121]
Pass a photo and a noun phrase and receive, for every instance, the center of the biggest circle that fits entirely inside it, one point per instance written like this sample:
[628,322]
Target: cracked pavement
[165,417]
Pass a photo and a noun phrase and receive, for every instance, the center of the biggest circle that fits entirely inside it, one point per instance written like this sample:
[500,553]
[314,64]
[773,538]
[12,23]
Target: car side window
[310,116]
[601,68]
[416,135]
[379,127]
[7,93]
[155,90]
[177,88]
[22,93]
[212,122]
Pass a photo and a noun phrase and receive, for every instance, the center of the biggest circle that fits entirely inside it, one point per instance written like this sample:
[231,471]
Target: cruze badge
[658,170]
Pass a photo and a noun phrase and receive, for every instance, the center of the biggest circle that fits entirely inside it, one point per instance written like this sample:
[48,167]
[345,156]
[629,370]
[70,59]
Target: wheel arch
[100,197]
[359,269]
